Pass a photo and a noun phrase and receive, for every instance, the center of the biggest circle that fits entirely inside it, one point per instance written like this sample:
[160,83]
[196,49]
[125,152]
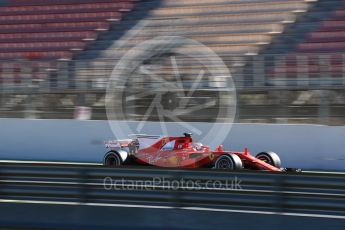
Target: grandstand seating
[78,42]
[319,56]
[232,27]
[235,29]
[39,32]
[54,29]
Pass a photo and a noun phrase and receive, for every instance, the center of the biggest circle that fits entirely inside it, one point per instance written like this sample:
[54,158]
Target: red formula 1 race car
[182,152]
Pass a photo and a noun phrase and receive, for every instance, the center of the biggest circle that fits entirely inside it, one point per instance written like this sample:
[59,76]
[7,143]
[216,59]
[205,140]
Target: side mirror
[219,148]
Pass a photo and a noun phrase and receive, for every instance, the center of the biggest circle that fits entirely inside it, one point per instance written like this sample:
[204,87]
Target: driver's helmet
[197,146]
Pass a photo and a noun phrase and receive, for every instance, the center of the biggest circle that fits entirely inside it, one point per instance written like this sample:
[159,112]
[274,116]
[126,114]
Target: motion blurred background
[287,62]
[286,57]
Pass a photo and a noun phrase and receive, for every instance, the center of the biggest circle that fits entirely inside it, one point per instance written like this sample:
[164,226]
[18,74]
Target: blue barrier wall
[304,146]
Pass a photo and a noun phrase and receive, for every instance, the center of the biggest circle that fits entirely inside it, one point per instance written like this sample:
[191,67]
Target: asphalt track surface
[147,215]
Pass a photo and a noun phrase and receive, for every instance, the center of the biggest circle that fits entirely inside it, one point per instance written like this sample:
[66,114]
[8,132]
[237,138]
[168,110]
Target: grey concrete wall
[303,146]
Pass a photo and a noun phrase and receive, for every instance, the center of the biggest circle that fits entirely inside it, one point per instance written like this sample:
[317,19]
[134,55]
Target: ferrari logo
[211,156]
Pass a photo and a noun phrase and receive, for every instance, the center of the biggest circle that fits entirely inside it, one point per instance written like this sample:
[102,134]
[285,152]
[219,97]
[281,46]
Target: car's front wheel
[112,159]
[270,158]
[228,162]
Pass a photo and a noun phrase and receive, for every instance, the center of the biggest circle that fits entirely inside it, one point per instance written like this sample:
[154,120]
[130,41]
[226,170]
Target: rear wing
[117,143]
[145,136]
[139,140]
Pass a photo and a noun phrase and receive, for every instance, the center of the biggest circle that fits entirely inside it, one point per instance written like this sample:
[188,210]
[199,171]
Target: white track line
[323,172]
[171,207]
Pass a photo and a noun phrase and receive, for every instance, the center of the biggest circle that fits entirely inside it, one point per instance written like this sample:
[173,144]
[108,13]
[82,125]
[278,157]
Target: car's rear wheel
[228,162]
[270,158]
[112,159]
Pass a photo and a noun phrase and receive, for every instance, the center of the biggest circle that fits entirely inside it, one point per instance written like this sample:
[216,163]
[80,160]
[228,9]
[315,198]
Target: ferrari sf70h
[182,152]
